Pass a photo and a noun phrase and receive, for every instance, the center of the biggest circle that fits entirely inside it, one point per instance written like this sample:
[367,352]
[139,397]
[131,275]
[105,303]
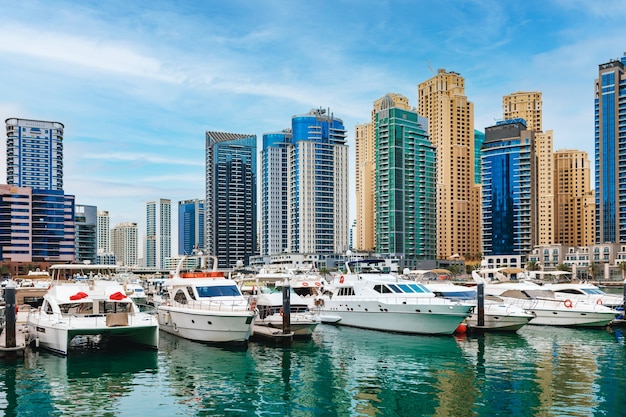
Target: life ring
[318,284]
[305,284]
[253,305]
[599,301]
[568,303]
[341,280]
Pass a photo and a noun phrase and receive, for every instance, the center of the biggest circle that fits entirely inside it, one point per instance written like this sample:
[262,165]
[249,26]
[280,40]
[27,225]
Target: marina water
[540,371]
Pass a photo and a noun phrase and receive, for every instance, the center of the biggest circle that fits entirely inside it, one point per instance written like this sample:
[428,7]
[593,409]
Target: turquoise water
[541,371]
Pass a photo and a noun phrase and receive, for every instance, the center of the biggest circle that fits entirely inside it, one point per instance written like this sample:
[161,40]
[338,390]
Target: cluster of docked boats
[200,303]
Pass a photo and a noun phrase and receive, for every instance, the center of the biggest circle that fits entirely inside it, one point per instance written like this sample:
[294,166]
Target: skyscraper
[509,187]
[525,105]
[35,154]
[158,233]
[191,226]
[365,169]
[124,243]
[450,116]
[574,225]
[405,184]
[104,232]
[35,160]
[318,184]
[610,133]
[274,192]
[86,225]
[230,203]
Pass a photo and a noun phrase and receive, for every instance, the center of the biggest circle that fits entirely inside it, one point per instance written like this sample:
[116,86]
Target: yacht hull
[206,326]
[401,318]
[59,334]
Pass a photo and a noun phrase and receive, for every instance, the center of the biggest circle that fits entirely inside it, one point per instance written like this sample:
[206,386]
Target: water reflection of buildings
[544,371]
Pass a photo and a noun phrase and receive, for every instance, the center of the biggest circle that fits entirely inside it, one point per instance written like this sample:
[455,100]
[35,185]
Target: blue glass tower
[610,152]
[318,184]
[509,191]
[35,160]
[190,226]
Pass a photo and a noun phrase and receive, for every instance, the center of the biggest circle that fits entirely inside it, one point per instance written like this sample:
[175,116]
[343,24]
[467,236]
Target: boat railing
[211,305]
[97,320]
[400,300]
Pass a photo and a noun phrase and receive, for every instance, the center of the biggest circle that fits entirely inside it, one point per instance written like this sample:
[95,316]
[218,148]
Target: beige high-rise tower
[443,101]
[526,105]
[575,201]
[366,177]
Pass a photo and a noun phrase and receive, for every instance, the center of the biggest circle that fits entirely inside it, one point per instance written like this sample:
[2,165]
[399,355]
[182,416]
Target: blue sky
[137,83]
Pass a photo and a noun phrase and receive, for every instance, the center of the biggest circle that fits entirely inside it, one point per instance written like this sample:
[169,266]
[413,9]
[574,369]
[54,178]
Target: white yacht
[584,291]
[202,305]
[548,309]
[497,314]
[268,297]
[88,312]
[366,297]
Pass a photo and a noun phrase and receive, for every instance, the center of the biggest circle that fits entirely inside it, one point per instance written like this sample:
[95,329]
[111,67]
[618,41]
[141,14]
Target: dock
[271,334]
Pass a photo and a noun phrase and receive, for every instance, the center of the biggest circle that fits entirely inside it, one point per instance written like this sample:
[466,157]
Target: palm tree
[532,266]
[564,267]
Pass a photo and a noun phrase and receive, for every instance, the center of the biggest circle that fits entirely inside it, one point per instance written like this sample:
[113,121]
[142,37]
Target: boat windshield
[461,295]
[218,291]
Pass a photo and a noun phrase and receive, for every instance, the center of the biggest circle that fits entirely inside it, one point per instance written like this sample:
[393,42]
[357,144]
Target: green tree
[532,266]
[455,269]
[564,267]
[622,268]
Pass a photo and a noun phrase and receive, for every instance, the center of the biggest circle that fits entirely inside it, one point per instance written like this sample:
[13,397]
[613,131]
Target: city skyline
[138,85]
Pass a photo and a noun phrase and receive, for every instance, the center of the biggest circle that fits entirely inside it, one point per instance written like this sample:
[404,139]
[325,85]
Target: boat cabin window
[180,297]
[114,307]
[382,289]
[192,295]
[47,308]
[76,308]
[394,288]
[345,291]
[218,291]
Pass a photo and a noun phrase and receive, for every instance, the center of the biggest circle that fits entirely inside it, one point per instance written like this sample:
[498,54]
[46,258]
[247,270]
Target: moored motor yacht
[585,291]
[268,295]
[497,314]
[366,297]
[203,305]
[89,312]
[548,309]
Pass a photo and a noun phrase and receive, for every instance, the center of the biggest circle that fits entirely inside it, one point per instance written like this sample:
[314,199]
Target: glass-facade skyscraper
[191,226]
[158,233]
[405,184]
[610,153]
[318,184]
[274,195]
[509,189]
[35,160]
[230,202]
[86,219]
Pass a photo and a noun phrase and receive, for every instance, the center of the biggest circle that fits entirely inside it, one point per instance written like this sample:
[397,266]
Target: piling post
[286,308]
[10,314]
[480,296]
